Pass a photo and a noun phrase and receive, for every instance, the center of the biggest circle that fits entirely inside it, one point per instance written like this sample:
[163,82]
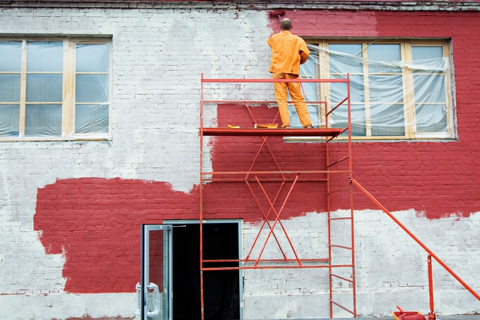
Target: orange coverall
[288,52]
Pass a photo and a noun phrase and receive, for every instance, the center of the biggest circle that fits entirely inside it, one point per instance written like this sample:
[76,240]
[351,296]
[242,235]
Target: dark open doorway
[221,288]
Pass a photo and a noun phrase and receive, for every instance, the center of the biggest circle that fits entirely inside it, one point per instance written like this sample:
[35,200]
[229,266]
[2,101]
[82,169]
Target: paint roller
[277,13]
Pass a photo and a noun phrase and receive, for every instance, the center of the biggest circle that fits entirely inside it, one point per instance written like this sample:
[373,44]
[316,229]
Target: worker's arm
[270,41]
[304,52]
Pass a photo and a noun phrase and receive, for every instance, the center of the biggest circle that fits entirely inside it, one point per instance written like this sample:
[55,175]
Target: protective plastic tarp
[44,56]
[43,120]
[9,120]
[10,87]
[11,56]
[92,88]
[10,67]
[380,85]
[44,88]
[91,118]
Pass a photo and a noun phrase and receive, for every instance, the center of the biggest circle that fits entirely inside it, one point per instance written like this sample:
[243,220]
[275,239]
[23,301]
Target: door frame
[146,228]
[174,223]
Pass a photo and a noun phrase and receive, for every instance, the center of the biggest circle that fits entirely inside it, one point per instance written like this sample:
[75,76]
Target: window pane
[44,88]
[43,120]
[387,120]
[9,120]
[10,56]
[309,68]
[309,91]
[295,121]
[384,52]
[421,53]
[91,119]
[431,118]
[91,88]
[386,88]
[429,88]
[338,91]
[9,87]
[339,119]
[92,57]
[345,58]
[45,56]
[381,58]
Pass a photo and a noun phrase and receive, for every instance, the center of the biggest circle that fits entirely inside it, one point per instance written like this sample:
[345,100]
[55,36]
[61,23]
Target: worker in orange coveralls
[288,53]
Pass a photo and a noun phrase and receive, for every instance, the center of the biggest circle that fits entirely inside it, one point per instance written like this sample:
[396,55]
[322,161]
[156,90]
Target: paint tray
[266,126]
[408,315]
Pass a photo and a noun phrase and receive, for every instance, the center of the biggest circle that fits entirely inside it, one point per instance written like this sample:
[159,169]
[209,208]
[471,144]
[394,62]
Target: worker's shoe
[309,127]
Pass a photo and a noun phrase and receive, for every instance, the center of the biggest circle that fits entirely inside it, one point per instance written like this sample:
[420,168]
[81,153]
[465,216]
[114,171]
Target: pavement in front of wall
[460,317]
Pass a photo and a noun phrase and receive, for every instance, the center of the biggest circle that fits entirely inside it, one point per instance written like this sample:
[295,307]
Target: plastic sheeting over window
[43,112]
[91,88]
[10,68]
[391,96]
[66,92]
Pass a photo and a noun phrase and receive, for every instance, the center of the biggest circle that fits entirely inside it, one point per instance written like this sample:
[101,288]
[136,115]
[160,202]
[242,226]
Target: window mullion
[448,97]
[366,91]
[68,104]
[23,90]
[408,92]
[323,72]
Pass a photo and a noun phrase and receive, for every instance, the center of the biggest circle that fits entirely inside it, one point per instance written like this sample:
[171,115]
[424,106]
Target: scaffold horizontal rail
[262,132]
[278,267]
[324,260]
[263,180]
[250,102]
[275,80]
[254,173]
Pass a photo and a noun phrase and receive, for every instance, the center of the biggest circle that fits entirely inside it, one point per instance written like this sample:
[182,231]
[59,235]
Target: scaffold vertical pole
[202,303]
[352,215]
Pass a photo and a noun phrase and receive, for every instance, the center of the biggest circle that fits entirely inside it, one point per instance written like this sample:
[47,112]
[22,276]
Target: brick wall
[71,212]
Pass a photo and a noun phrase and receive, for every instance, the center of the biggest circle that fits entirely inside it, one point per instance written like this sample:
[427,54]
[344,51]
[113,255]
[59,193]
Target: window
[399,89]
[54,90]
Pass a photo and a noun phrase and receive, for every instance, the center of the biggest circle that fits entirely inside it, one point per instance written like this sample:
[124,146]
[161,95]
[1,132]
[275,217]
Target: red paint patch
[96,223]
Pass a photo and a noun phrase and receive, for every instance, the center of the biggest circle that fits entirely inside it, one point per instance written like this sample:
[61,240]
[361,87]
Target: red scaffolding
[272,217]
[251,176]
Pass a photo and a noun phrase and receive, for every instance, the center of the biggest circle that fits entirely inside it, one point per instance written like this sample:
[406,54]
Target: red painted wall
[440,178]
[96,222]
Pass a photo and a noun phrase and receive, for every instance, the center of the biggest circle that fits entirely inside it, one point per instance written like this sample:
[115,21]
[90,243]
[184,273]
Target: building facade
[100,114]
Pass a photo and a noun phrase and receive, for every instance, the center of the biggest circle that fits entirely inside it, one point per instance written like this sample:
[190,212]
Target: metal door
[152,291]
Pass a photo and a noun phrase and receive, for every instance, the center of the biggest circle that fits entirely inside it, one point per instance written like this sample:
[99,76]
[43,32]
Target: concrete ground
[460,317]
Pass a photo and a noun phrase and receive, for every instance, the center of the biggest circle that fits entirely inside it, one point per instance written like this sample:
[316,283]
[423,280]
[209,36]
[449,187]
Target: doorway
[222,289]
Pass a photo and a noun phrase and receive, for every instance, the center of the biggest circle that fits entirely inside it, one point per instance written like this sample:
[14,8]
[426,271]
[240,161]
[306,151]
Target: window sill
[419,138]
[59,139]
